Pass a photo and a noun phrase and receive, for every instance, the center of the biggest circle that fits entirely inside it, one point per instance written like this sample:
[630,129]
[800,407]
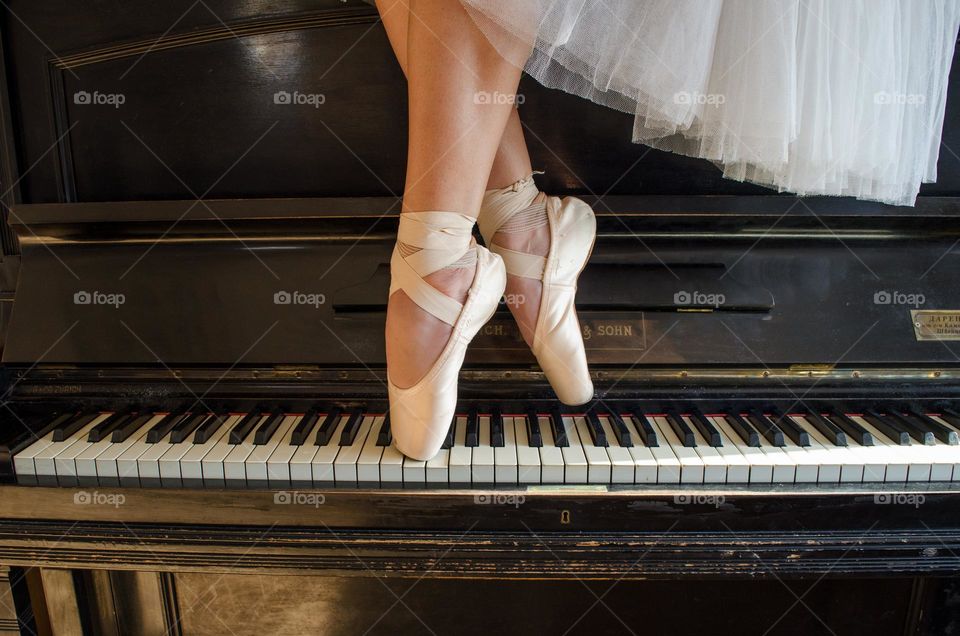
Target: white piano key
[645,464]
[345,465]
[849,465]
[438,468]
[528,457]
[825,460]
[368,463]
[505,457]
[300,466]
[784,468]
[481,469]
[65,463]
[691,465]
[761,467]
[278,464]
[551,456]
[256,464]
[946,458]
[85,464]
[714,465]
[574,459]
[213,465]
[461,456]
[321,467]
[43,458]
[598,461]
[414,473]
[23,463]
[191,466]
[235,463]
[901,463]
[391,467]
[874,458]
[737,467]
[108,467]
[621,462]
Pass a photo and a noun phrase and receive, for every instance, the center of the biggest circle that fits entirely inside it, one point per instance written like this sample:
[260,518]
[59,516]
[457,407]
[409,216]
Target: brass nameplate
[932,324]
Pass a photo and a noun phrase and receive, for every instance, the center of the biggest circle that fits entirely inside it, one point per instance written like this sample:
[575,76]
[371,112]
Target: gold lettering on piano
[494,330]
[620,329]
[934,324]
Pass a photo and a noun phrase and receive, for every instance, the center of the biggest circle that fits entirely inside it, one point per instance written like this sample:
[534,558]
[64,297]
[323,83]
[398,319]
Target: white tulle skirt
[836,97]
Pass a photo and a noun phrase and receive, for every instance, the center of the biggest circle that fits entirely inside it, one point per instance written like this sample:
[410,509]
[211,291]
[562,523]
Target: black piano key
[647,433]
[943,433]
[351,428]
[859,434]
[887,426]
[186,427]
[680,428]
[74,424]
[164,426]
[123,433]
[107,426]
[473,429]
[931,431]
[36,429]
[597,434]
[534,435]
[304,427]
[950,415]
[269,426]
[770,431]
[828,429]
[620,430]
[242,428]
[496,428]
[706,427]
[329,426]
[559,430]
[743,429]
[451,434]
[385,437]
[209,427]
[790,428]
[919,431]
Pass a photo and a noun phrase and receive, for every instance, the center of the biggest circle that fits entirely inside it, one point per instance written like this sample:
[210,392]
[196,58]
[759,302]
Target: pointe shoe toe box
[558,342]
[420,416]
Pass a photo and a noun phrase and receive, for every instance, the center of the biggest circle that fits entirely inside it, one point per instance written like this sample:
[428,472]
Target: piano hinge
[810,369]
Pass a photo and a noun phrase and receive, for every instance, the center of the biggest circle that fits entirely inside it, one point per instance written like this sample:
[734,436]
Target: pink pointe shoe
[427,242]
[557,339]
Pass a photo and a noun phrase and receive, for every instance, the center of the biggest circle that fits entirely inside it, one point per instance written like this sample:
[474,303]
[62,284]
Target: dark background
[199,119]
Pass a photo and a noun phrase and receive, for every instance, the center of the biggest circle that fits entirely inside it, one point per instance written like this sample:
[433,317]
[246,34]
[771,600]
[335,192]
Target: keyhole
[565,517]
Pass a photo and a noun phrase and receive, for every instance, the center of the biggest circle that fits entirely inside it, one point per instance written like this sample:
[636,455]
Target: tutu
[835,97]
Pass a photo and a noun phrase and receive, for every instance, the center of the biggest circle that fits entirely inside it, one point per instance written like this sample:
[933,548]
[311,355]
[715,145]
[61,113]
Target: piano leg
[60,597]
[8,611]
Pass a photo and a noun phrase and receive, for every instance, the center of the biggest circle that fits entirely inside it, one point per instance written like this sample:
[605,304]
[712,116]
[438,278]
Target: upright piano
[194,404]
[194,433]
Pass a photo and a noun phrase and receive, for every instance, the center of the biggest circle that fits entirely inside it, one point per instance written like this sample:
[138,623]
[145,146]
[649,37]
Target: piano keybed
[329,446]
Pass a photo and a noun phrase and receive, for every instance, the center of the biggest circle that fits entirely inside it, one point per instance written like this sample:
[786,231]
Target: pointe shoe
[557,340]
[420,415]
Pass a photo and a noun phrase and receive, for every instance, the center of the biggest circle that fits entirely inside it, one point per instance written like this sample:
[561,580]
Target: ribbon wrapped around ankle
[501,204]
[428,242]
[496,211]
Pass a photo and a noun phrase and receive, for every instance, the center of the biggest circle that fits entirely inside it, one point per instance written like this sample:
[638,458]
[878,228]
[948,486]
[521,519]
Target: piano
[194,434]
[194,400]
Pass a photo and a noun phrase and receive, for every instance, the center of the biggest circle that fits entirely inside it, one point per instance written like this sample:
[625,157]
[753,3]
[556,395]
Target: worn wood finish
[9,625]
[63,608]
[633,534]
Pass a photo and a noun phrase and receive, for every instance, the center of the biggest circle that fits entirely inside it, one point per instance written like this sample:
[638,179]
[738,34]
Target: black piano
[194,434]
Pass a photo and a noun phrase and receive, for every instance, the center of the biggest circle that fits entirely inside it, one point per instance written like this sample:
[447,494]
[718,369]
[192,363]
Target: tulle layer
[836,97]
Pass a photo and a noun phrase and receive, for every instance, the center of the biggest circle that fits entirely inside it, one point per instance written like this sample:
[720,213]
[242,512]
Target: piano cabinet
[210,562]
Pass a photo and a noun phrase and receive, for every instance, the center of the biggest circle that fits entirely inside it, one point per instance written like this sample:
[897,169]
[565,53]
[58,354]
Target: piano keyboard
[347,447]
